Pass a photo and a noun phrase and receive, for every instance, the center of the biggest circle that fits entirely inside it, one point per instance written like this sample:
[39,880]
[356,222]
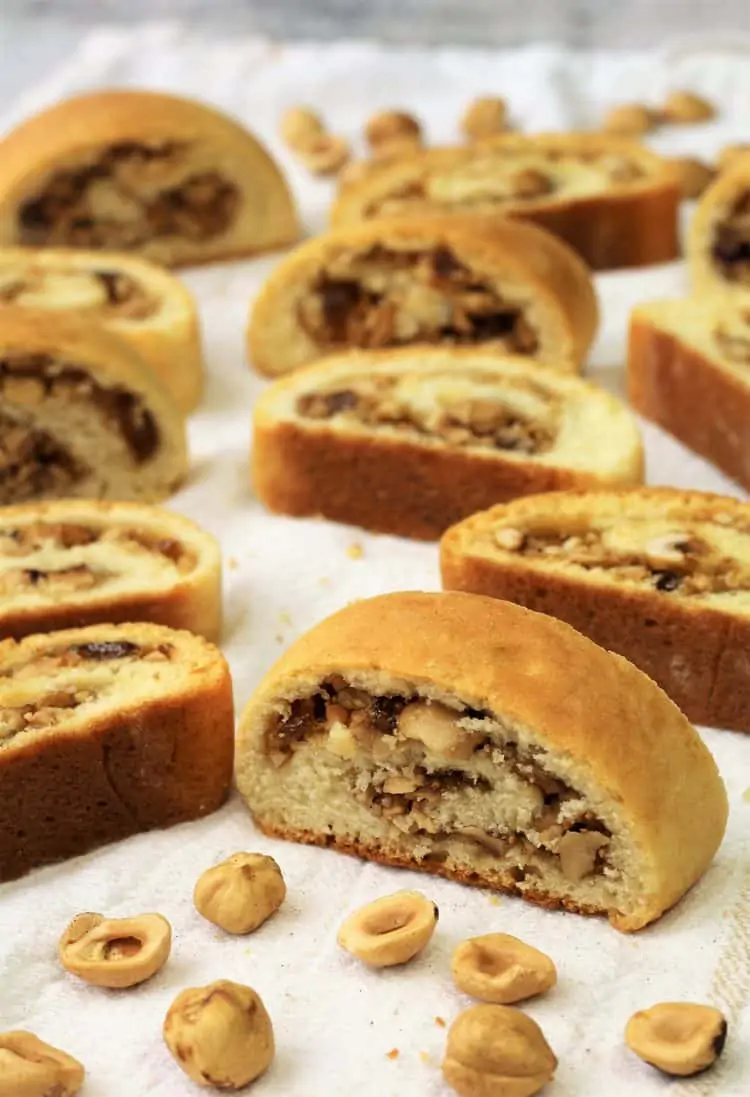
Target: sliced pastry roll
[170,178]
[689,371]
[137,300]
[106,731]
[77,562]
[408,441]
[658,575]
[719,240]
[611,199]
[474,739]
[81,414]
[449,280]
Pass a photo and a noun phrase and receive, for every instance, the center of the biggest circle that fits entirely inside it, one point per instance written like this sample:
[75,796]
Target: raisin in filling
[731,244]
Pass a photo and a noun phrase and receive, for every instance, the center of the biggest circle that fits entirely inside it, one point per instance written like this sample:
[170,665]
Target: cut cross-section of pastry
[76,562]
[447,280]
[611,199]
[658,575]
[475,739]
[409,441]
[106,731]
[81,414]
[689,371]
[136,299]
[719,241]
[126,170]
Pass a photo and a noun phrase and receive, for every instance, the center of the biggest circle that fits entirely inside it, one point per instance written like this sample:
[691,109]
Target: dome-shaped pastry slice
[409,441]
[76,562]
[135,299]
[448,280]
[170,178]
[107,731]
[81,414]
[658,575]
[612,200]
[474,739]
[719,240]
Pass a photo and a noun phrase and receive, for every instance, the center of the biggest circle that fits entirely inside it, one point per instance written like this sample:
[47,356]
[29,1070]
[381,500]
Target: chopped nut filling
[124,196]
[32,463]
[27,539]
[672,562]
[482,417]
[406,756]
[731,244]
[732,335]
[382,297]
[111,294]
[26,379]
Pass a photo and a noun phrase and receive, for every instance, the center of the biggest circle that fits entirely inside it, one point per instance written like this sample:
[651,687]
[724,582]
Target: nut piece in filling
[677,1038]
[501,969]
[391,930]
[496,1051]
[31,1068]
[220,1035]
[239,894]
[115,952]
[730,248]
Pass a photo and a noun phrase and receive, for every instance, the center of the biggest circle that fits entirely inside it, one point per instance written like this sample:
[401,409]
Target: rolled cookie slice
[104,732]
[443,280]
[81,414]
[719,241]
[76,562]
[612,200]
[689,371]
[474,739]
[138,300]
[170,178]
[409,441]
[658,575]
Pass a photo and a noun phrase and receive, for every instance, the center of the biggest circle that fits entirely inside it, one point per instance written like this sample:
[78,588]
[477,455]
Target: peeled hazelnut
[497,1051]
[500,968]
[239,894]
[300,127]
[220,1034]
[437,728]
[325,154]
[484,117]
[31,1068]
[115,952]
[684,107]
[630,119]
[678,1038]
[730,154]
[694,175]
[391,930]
[392,125]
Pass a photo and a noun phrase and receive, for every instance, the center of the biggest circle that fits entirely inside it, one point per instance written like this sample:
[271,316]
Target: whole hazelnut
[220,1034]
[239,894]
[389,126]
[484,117]
[300,127]
[497,1051]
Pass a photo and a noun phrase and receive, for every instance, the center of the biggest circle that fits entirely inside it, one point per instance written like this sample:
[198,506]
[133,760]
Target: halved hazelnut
[391,930]
[31,1068]
[678,1038]
[115,952]
[501,969]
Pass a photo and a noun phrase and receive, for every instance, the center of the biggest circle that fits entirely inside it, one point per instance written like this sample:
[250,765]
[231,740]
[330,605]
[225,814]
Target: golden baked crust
[689,371]
[89,755]
[443,279]
[72,563]
[81,414]
[408,441]
[137,300]
[718,244]
[612,200]
[576,712]
[170,178]
[658,575]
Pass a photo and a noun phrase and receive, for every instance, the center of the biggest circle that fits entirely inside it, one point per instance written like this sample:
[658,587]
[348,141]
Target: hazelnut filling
[26,379]
[731,243]
[427,769]
[32,463]
[124,196]
[111,294]
[384,298]
[672,562]
[413,405]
